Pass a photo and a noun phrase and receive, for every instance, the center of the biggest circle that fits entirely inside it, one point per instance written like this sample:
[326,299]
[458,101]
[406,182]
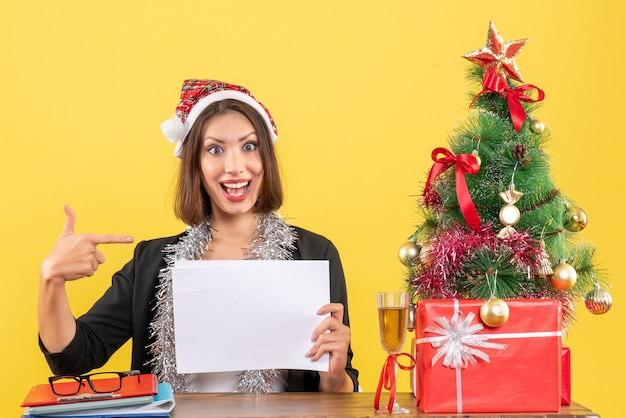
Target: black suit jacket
[126,309]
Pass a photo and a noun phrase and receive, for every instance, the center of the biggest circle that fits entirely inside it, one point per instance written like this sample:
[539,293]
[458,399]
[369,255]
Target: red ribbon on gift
[464,164]
[388,378]
[493,83]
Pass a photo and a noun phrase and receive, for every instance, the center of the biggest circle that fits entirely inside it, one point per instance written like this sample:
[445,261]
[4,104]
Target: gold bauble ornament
[564,276]
[537,126]
[408,253]
[494,312]
[475,154]
[575,219]
[598,301]
[426,256]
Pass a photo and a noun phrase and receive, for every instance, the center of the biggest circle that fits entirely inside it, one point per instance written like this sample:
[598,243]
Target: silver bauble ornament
[494,312]
[598,301]
[408,253]
[564,276]
[575,219]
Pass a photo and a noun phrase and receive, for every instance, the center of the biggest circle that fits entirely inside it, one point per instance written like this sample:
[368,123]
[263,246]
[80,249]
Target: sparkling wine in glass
[393,314]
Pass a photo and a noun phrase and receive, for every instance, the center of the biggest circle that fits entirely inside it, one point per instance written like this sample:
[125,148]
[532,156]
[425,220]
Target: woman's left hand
[333,337]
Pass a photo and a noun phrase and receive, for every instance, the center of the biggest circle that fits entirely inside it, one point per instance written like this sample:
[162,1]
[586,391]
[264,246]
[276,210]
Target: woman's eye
[249,146]
[215,150]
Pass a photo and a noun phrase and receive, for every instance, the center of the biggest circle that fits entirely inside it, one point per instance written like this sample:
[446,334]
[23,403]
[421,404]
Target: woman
[228,193]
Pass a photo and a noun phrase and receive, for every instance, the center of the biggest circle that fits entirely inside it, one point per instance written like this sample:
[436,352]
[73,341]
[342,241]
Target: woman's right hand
[76,256]
[72,257]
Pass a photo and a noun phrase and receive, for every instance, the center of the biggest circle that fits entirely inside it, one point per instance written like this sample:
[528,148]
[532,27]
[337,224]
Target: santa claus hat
[195,96]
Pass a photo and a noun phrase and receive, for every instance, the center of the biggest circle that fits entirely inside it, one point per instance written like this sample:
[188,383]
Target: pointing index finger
[111,239]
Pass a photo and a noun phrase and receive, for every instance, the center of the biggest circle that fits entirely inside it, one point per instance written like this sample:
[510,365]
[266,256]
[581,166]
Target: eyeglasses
[101,382]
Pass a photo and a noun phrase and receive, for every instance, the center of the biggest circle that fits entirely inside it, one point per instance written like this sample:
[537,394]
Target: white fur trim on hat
[173,129]
[176,131]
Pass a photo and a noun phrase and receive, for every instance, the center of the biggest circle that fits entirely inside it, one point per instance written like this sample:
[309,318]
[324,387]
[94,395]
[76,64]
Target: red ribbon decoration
[388,378]
[465,164]
[493,83]
[514,98]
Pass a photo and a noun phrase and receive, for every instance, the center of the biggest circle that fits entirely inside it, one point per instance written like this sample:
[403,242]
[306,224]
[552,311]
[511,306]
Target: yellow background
[362,91]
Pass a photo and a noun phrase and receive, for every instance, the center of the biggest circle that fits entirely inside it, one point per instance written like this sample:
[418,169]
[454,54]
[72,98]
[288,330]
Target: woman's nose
[234,163]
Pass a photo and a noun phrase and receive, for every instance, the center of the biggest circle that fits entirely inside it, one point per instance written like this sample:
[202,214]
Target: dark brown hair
[192,204]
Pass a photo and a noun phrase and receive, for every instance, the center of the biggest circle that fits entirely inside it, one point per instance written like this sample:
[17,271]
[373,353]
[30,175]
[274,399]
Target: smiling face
[193,205]
[231,165]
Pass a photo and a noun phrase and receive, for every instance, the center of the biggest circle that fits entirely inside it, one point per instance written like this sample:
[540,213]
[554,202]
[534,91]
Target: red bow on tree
[494,83]
[464,164]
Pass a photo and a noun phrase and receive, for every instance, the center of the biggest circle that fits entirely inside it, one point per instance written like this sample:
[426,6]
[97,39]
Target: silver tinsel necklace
[273,240]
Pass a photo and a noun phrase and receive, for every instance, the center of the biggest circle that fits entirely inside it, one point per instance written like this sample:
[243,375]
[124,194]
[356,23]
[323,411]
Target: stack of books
[141,397]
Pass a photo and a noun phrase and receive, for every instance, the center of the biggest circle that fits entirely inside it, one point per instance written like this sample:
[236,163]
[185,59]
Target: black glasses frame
[87,377]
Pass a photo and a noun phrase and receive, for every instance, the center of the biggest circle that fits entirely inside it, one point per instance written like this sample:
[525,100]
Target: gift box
[566,377]
[464,366]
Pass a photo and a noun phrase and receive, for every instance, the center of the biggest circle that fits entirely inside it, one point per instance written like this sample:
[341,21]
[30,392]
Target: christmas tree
[495,226]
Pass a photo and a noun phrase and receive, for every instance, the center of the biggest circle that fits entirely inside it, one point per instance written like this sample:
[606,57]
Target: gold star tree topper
[498,57]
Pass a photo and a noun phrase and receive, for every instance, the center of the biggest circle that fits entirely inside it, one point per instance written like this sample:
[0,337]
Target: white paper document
[235,315]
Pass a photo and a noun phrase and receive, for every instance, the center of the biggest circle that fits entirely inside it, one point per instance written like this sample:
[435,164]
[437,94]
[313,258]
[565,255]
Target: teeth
[236,185]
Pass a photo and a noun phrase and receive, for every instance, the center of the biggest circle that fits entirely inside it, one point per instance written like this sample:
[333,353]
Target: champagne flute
[393,313]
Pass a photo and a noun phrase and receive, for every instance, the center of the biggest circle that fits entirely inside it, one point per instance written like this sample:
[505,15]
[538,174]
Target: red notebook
[141,385]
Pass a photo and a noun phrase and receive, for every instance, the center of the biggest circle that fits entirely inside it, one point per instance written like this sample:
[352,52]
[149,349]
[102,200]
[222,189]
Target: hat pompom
[173,129]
